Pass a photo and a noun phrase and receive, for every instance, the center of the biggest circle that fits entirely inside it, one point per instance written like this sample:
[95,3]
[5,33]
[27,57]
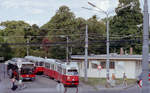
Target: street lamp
[107,41]
[107,25]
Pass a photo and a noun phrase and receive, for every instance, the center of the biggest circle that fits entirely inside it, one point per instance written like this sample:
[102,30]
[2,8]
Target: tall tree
[62,23]
[96,30]
[14,33]
[125,24]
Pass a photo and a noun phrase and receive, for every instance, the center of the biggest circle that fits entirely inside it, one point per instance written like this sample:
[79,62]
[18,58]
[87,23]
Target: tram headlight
[68,78]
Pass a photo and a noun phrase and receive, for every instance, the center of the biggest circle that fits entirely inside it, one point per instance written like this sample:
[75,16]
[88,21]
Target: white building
[119,64]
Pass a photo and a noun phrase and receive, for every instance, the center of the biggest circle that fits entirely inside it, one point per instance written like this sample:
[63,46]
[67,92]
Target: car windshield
[72,72]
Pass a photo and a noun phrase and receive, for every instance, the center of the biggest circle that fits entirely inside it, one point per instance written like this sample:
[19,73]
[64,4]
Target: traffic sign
[140,83]
[99,67]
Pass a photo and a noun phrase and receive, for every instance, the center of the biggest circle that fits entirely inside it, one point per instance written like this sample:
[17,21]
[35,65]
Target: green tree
[97,37]
[6,51]
[14,33]
[124,25]
[62,23]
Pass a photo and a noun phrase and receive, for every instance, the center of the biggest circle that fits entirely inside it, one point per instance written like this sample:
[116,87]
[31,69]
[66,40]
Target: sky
[40,11]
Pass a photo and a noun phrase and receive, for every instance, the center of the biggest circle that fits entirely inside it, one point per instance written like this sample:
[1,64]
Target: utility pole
[67,50]
[28,41]
[27,47]
[86,54]
[107,44]
[145,50]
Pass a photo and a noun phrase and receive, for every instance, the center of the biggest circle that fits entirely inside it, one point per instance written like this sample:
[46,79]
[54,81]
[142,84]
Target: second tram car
[38,61]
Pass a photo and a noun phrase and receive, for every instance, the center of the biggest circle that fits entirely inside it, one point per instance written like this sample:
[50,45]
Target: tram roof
[52,61]
[70,65]
[12,62]
[38,59]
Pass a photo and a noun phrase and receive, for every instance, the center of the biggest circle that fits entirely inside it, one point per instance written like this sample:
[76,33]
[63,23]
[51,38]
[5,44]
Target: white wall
[129,67]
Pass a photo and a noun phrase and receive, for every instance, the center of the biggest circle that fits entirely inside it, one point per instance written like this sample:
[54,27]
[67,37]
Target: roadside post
[145,50]
[60,87]
[19,66]
[99,67]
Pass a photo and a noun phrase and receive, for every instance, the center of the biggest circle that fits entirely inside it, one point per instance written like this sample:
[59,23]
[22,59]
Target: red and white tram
[38,61]
[26,69]
[69,74]
[66,73]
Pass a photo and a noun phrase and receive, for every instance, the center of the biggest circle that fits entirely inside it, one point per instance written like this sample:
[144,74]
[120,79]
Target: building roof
[111,57]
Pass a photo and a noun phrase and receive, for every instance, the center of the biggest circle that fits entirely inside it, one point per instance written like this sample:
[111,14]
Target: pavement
[117,87]
[102,87]
[5,87]
[46,85]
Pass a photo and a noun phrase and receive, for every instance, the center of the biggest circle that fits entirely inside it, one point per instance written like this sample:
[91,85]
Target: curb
[115,88]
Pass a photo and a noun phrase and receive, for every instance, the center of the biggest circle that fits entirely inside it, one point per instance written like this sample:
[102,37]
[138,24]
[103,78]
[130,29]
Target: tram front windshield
[72,72]
[27,71]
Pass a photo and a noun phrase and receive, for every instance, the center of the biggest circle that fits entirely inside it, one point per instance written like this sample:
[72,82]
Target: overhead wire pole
[67,50]
[27,47]
[86,54]
[28,41]
[107,44]
[145,50]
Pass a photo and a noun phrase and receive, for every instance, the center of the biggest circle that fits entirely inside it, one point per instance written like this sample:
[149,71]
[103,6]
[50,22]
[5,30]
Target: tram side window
[64,71]
[59,69]
[41,64]
[52,66]
[47,65]
[55,67]
[36,63]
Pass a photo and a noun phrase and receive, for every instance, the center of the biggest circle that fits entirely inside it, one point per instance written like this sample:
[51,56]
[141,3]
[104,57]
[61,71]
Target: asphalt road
[43,84]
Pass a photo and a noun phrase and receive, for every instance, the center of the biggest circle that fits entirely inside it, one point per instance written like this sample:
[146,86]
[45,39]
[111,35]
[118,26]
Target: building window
[94,66]
[112,65]
[103,64]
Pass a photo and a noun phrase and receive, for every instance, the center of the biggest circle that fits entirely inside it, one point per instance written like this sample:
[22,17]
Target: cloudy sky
[40,11]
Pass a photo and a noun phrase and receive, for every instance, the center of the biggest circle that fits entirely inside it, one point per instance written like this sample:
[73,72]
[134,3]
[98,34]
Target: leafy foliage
[124,32]
[126,23]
